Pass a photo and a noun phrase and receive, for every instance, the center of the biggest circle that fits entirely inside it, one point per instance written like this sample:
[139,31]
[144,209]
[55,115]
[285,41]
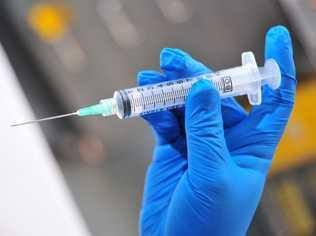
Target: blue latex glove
[211,161]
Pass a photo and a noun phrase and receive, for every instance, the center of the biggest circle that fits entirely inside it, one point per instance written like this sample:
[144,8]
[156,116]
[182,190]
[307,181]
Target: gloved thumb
[207,150]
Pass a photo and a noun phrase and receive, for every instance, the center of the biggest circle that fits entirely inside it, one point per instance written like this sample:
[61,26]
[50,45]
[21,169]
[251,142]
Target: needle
[44,119]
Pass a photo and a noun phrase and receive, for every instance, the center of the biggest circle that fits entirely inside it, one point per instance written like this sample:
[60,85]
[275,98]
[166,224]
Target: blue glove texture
[211,159]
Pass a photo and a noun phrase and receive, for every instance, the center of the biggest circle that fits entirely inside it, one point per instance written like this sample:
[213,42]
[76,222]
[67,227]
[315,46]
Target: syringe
[246,79]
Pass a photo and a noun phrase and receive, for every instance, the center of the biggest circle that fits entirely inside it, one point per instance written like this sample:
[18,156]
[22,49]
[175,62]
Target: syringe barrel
[246,79]
[172,94]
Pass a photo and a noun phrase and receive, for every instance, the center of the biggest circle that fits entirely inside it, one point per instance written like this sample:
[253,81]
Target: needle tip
[44,119]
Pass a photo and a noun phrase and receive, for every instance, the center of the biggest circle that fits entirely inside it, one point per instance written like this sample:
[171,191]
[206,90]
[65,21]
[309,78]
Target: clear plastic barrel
[242,80]
[172,94]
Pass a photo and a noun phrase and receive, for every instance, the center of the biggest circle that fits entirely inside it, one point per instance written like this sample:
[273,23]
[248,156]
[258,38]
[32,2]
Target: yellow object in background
[49,21]
[293,206]
[298,145]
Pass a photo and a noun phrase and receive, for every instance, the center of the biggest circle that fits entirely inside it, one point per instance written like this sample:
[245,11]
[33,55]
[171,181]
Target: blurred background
[71,53]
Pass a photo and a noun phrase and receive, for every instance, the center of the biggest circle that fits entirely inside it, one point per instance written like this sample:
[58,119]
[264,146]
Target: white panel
[34,200]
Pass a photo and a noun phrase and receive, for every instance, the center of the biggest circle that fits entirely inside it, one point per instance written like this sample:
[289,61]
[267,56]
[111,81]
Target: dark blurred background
[72,53]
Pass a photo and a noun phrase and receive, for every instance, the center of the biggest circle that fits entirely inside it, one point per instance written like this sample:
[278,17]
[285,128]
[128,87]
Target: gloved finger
[176,64]
[164,124]
[146,77]
[232,112]
[207,150]
[278,104]
[265,124]
[278,46]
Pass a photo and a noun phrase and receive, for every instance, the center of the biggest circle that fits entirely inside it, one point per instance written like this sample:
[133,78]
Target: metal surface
[44,119]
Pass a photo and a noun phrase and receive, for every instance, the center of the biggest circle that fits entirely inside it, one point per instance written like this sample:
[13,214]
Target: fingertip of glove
[205,85]
[148,76]
[279,34]
[172,59]
[279,47]
[203,109]
[173,51]
[204,91]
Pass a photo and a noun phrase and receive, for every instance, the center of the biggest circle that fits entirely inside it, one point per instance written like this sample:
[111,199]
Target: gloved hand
[211,159]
